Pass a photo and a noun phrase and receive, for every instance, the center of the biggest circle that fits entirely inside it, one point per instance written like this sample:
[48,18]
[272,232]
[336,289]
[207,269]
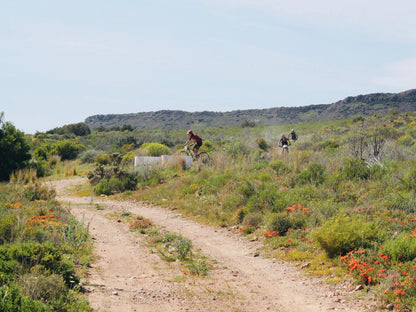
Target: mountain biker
[197,139]
[284,143]
[293,135]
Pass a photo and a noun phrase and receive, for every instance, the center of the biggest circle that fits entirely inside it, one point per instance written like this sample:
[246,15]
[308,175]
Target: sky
[63,61]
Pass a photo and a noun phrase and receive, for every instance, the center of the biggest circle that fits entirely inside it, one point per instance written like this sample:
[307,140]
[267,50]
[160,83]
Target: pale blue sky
[62,61]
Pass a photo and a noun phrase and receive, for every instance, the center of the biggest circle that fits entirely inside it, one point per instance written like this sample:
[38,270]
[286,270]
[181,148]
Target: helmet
[292,130]
[190,132]
[283,135]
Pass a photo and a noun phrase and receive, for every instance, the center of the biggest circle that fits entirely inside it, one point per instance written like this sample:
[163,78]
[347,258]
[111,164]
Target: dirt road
[127,276]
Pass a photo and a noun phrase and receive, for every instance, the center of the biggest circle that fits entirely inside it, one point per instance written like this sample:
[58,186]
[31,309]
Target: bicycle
[285,148]
[202,157]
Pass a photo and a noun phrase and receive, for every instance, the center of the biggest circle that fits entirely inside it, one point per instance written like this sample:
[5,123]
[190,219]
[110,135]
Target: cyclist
[197,139]
[284,143]
[293,135]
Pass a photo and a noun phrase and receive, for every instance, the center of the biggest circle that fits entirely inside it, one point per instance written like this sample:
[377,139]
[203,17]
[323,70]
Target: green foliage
[102,159]
[38,191]
[401,248]
[14,150]
[279,166]
[156,149]
[41,246]
[314,174]
[89,156]
[103,187]
[402,201]
[406,140]
[253,219]
[14,301]
[67,150]
[198,268]
[262,143]
[355,169]
[342,234]
[78,129]
[183,246]
[409,180]
[279,222]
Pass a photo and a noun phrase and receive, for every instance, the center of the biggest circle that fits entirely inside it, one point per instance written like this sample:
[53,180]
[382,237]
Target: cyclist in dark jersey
[284,143]
[197,139]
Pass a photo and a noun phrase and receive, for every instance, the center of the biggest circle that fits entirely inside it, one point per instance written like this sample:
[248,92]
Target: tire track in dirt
[128,277]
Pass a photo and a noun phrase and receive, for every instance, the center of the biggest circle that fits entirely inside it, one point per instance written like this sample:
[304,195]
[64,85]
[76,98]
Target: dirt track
[127,276]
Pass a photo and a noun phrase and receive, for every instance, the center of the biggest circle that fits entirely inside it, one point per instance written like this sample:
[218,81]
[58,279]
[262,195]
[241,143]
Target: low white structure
[140,161]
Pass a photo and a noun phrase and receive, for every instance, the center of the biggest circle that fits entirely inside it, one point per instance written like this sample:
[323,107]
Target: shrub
[156,149]
[262,143]
[103,187]
[115,185]
[102,159]
[355,169]
[401,248]
[402,201]
[89,156]
[280,223]
[314,174]
[14,300]
[342,234]
[67,149]
[410,180]
[279,166]
[37,191]
[406,140]
[183,246]
[254,219]
[129,181]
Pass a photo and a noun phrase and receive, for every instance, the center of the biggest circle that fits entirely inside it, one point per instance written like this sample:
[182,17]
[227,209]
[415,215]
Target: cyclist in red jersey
[197,139]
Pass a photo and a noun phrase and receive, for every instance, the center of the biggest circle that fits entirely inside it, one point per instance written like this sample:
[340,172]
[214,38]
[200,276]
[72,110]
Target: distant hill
[361,105]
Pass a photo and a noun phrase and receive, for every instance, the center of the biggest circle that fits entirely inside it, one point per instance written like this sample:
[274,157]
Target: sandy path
[128,277]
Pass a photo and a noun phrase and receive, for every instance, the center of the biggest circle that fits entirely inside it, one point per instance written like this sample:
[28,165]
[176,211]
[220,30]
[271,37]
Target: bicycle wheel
[205,159]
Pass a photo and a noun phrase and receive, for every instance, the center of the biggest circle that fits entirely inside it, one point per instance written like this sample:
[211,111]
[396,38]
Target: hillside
[361,105]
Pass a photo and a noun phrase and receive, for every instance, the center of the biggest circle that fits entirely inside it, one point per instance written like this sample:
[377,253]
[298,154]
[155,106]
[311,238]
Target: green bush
[355,169]
[279,166]
[314,174]
[115,185]
[102,159]
[406,140]
[89,156]
[410,180]
[253,219]
[14,301]
[401,248]
[14,149]
[262,143]
[342,234]
[403,201]
[38,191]
[7,226]
[183,246]
[67,150]
[279,222]
[156,149]
[103,187]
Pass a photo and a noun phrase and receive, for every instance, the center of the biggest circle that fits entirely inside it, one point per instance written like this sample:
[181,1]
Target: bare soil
[128,276]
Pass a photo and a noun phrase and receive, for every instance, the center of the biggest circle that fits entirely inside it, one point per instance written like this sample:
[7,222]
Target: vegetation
[14,150]
[43,252]
[345,195]
[342,200]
